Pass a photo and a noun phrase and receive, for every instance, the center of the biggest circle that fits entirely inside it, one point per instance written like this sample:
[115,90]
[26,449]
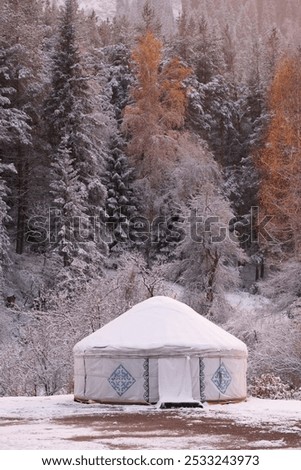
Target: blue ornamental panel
[222,378]
[121,380]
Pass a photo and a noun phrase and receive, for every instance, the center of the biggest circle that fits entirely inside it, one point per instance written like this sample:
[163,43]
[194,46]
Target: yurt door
[174,376]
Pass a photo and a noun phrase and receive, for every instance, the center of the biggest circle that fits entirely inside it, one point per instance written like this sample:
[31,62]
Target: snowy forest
[151,152]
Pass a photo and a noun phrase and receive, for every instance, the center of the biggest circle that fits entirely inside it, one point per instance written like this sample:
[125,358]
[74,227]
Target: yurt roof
[160,326]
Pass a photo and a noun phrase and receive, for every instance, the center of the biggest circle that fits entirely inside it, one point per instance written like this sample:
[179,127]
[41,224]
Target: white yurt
[160,351]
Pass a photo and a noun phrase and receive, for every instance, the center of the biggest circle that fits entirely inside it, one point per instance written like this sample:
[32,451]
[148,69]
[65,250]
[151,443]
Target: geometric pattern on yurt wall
[146,380]
[221,378]
[202,379]
[121,380]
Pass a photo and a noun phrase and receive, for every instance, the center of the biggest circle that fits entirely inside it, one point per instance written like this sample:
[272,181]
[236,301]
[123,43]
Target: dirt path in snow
[125,431]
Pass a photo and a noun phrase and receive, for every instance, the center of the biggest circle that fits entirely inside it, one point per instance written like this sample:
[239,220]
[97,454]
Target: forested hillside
[148,154]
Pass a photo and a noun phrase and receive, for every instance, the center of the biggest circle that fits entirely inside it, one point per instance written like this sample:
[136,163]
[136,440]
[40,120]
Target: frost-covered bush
[273,339]
[278,349]
[271,386]
[40,360]
[283,286]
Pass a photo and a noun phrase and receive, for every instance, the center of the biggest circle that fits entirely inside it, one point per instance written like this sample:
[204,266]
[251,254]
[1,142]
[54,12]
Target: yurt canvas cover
[160,351]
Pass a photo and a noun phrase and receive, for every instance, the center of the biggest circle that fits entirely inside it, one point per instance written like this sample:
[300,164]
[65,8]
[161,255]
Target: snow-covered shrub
[271,386]
[11,382]
[39,360]
[273,339]
[276,350]
[245,318]
[296,395]
[283,285]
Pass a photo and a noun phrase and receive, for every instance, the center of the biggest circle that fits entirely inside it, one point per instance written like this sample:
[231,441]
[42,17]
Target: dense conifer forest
[151,151]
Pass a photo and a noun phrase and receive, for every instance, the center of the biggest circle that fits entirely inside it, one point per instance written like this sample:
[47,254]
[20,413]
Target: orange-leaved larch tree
[280,159]
[158,109]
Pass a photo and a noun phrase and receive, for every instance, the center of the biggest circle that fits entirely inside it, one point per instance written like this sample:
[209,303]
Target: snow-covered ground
[244,301]
[59,423]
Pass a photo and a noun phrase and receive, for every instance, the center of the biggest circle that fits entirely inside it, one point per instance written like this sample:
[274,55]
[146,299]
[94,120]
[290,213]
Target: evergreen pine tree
[69,197]
[71,116]
[69,111]
[121,203]
[4,219]
[21,57]
[14,125]
[120,78]
[167,230]
[148,20]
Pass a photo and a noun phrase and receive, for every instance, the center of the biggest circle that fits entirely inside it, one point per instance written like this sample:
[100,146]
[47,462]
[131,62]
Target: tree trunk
[210,295]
